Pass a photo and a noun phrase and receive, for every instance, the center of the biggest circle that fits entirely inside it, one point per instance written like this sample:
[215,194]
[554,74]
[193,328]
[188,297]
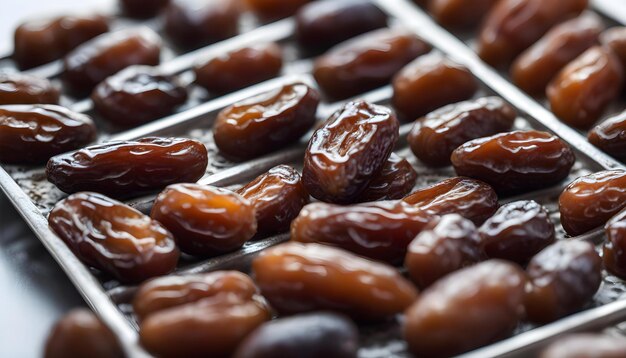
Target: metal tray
[33,196]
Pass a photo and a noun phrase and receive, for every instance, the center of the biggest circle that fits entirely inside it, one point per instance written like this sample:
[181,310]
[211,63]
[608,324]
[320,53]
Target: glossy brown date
[103,56]
[515,162]
[377,230]
[31,134]
[589,201]
[583,90]
[434,137]
[465,310]
[447,244]
[205,220]
[351,147]
[514,25]
[269,10]
[472,199]
[20,88]
[564,277]
[615,39]
[114,237]
[460,14]
[615,245]
[365,62]
[586,345]
[240,68]
[266,122]
[610,136]
[142,8]
[395,180]
[297,277]
[128,168]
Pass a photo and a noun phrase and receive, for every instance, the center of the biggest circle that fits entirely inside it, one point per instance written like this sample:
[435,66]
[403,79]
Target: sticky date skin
[395,180]
[586,345]
[610,136]
[31,134]
[124,169]
[114,237]
[20,88]
[351,147]
[434,137]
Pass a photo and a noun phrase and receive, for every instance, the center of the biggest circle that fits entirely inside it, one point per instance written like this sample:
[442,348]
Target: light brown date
[20,88]
[460,14]
[610,136]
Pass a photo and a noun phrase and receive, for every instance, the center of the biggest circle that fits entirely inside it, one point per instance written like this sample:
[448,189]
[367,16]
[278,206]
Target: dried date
[20,88]
[460,14]
[269,10]
[615,245]
[395,180]
[610,136]
[615,39]
[142,8]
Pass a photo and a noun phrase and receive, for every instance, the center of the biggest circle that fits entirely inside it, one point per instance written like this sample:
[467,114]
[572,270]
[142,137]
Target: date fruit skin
[142,9]
[466,309]
[277,197]
[80,333]
[327,278]
[610,136]
[323,24]
[240,68]
[308,335]
[379,230]
[515,162]
[395,180]
[564,277]
[348,150]
[514,25]
[447,244]
[266,122]
[21,88]
[590,201]
[583,90]
[38,42]
[95,60]
[517,231]
[470,198]
[584,345]
[113,237]
[124,169]
[269,10]
[434,137]
[367,61]
[615,39]
[137,95]
[460,14]
[31,134]
[614,248]
[205,220]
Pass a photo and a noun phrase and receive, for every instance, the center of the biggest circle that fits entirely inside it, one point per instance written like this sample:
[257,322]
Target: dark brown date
[240,68]
[434,137]
[310,335]
[447,244]
[128,168]
[377,230]
[31,134]
[582,91]
[137,95]
[103,56]
[615,39]
[269,10]
[205,221]
[589,201]
[365,62]
[517,231]
[465,310]
[114,237]
[428,83]
[615,245]
[514,25]
[266,122]
[20,88]
[472,199]
[351,147]
[586,346]
[564,277]
[327,278]
[515,162]
[460,14]
[38,42]
[143,8]
[610,136]
[81,334]
[395,180]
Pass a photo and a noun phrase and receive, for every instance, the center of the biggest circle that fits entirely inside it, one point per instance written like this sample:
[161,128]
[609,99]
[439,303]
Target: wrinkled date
[31,134]
[615,39]
[517,231]
[19,88]
[515,162]
[367,61]
[589,201]
[327,278]
[142,8]
[446,244]
[266,122]
[564,277]
[378,230]
[205,221]
[434,137]
[610,136]
[465,310]
[472,199]
[274,9]
[395,180]
[615,246]
[586,345]
[128,168]
[93,61]
[351,147]
[114,237]
[460,14]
